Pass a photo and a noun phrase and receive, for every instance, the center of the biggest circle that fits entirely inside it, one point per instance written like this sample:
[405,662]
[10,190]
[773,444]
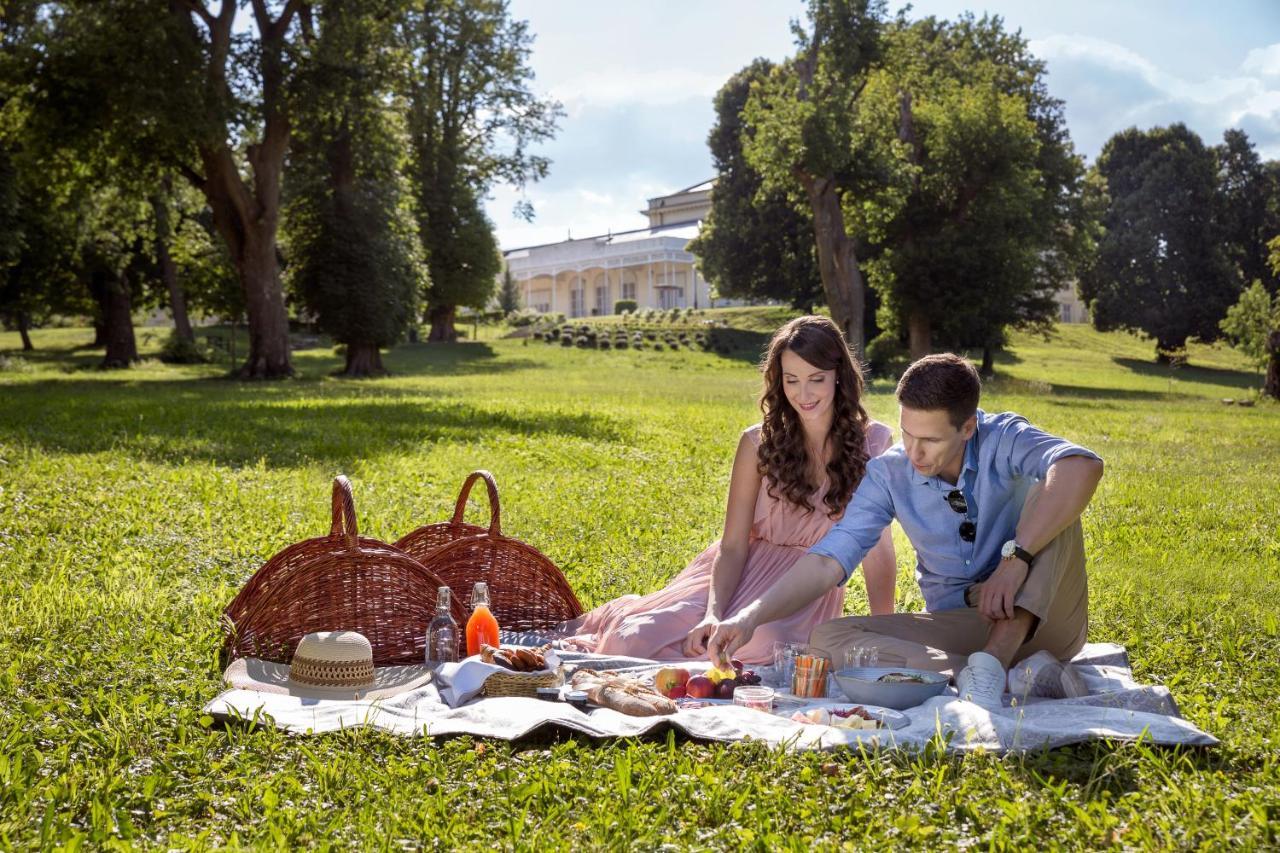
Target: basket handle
[495,511]
[344,512]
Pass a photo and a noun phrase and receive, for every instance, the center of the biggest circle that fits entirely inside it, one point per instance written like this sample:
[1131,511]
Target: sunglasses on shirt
[955,500]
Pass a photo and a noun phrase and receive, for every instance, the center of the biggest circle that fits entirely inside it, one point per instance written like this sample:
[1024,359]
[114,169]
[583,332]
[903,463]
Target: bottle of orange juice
[482,627]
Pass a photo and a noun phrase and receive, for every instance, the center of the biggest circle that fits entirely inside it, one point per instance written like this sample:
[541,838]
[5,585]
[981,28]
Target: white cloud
[1107,87]
[561,212]
[1264,61]
[610,87]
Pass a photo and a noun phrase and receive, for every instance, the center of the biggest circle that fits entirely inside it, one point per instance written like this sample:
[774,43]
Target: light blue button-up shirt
[1003,459]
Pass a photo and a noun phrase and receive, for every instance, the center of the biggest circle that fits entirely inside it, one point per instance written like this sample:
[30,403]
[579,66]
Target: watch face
[1008,549]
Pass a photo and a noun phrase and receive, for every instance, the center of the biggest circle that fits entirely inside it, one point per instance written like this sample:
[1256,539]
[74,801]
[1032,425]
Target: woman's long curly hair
[782,457]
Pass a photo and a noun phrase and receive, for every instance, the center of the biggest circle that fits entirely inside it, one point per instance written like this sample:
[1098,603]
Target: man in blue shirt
[992,506]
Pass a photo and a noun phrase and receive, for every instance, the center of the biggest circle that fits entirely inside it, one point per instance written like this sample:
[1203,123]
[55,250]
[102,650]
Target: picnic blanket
[1117,708]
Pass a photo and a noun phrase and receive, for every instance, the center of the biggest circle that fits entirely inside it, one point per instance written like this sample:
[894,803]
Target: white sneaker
[1044,675]
[982,681]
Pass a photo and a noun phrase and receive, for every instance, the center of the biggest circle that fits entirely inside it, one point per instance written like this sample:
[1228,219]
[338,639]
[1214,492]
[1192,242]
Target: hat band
[329,673]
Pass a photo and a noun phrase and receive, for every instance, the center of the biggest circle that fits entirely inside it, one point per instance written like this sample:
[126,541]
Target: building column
[693,277]
[651,301]
[554,275]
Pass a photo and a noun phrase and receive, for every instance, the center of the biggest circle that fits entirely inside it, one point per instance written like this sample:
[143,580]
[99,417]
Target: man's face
[934,446]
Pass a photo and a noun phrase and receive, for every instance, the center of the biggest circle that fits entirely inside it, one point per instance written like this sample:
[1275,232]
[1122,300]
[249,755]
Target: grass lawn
[133,504]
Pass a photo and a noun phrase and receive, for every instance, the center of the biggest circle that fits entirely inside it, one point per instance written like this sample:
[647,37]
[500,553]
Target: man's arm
[1069,485]
[810,577]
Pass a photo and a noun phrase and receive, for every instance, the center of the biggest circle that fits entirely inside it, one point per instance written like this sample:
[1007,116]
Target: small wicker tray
[521,683]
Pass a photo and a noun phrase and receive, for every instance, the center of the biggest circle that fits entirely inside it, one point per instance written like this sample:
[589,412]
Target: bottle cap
[443,596]
[480,594]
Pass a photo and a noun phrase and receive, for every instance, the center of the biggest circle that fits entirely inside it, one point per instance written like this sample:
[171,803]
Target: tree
[1250,321]
[983,221]
[1160,267]
[172,87]
[755,243]
[508,293]
[1271,387]
[472,118]
[804,142]
[355,257]
[1243,198]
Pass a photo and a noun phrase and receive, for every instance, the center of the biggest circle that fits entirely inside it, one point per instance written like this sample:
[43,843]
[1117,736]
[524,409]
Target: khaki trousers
[1055,590]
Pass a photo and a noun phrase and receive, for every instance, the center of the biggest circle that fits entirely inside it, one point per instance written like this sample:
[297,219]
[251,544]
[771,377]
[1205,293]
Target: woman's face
[810,391]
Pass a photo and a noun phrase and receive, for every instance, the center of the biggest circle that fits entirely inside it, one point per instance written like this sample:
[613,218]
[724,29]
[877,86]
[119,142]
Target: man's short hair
[941,382]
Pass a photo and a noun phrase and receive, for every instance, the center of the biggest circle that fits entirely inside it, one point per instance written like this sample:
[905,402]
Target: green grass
[134,503]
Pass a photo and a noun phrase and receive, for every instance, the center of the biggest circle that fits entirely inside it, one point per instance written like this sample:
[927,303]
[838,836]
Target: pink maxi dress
[654,626]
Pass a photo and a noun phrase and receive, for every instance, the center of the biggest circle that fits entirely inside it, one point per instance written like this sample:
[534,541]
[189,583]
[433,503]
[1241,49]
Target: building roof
[683,230]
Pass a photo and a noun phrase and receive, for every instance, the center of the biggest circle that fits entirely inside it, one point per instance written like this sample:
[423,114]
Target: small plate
[889,718]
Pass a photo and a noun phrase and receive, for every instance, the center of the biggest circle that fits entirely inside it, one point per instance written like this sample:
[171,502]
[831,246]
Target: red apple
[724,690]
[668,678]
[678,692]
[700,687]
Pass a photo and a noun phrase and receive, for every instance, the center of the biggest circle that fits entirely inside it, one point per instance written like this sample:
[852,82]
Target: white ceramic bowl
[862,684]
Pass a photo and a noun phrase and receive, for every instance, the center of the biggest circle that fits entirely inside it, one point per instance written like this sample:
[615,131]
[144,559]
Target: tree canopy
[1161,267]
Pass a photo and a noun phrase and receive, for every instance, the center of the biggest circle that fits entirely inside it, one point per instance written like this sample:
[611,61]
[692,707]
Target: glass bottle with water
[442,633]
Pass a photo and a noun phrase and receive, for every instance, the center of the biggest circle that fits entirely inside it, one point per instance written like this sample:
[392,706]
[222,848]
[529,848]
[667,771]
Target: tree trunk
[837,263]
[122,347]
[442,330]
[988,363]
[99,330]
[363,360]
[919,335]
[169,270]
[1272,386]
[268,319]
[24,326]
[246,205]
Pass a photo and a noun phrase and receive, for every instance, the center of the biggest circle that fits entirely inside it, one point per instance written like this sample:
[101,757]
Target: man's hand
[731,635]
[695,642]
[996,594]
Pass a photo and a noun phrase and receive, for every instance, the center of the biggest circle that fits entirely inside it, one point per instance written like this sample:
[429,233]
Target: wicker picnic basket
[527,592]
[521,683]
[342,581]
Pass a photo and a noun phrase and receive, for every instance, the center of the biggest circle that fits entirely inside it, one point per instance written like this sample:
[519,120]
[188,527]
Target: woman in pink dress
[792,476]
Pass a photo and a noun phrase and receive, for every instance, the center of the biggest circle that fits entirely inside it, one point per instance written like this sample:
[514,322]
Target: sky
[637,80]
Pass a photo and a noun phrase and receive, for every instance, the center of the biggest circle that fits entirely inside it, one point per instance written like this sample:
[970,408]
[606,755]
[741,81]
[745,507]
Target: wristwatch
[1012,549]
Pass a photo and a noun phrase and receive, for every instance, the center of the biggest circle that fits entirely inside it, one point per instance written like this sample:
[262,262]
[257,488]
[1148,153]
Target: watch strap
[1023,554]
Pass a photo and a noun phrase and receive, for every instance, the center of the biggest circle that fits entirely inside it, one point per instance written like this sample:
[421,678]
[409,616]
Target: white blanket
[1117,709]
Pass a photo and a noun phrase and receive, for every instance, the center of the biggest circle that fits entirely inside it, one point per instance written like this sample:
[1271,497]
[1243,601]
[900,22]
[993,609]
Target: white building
[585,277]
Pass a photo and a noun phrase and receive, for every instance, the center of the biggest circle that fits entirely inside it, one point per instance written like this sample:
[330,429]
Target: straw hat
[327,665]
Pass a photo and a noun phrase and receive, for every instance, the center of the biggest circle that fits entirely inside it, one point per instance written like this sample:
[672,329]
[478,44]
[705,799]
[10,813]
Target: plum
[724,690]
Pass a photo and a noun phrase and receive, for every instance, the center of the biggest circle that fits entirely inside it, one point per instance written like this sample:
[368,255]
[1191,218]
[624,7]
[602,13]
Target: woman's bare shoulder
[879,438]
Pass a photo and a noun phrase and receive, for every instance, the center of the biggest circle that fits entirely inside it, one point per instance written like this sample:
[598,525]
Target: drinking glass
[784,663]
[860,657]
[809,679]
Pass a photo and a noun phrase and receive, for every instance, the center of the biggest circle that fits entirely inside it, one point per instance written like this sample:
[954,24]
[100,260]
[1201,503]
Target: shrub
[524,317]
[604,343]
[886,353]
[620,343]
[566,340]
[583,341]
[177,350]
[657,346]
[624,306]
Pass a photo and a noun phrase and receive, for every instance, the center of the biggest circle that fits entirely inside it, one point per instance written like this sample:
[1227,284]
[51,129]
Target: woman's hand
[695,642]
